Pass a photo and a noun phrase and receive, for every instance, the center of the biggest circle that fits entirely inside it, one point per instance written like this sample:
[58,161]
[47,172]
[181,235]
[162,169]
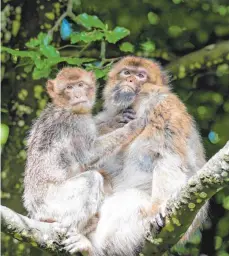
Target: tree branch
[203,59]
[180,212]
[38,234]
[182,209]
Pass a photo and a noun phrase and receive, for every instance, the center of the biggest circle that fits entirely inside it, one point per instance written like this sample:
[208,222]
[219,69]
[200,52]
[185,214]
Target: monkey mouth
[78,102]
[129,87]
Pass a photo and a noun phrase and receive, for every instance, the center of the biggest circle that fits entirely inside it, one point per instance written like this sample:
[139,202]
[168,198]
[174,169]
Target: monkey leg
[122,224]
[81,198]
[73,202]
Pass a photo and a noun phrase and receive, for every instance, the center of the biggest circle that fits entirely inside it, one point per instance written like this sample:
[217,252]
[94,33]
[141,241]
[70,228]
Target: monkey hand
[137,125]
[128,115]
[157,223]
[158,219]
[76,242]
[122,118]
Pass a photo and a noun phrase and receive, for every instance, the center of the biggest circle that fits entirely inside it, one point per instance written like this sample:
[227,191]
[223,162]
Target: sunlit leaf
[153,18]
[31,54]
[117,34]
[4,133]
[40,73]
[86,37]
[78,61]
[126,47]
[90,21]
[49,51]
[148,46]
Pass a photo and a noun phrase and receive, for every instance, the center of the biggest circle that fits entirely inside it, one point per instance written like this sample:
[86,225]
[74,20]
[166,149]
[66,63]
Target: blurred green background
[53,34]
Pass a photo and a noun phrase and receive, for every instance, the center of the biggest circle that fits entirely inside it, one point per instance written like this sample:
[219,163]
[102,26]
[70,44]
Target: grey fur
[61,144]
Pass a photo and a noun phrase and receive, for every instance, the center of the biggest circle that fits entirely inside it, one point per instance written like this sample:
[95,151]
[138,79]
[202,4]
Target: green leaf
[28,68]
[4,133]
[100,73]
[148,46]
[78,61]
[153,18]
[40,73]
[90,21]
[49,51]
[126,47]
[117,34]
[86,37]
[31,54]
[42,39]
[33,42]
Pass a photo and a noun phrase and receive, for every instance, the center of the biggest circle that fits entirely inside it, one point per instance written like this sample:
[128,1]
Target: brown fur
[107,181]
[70,76]
[170,129]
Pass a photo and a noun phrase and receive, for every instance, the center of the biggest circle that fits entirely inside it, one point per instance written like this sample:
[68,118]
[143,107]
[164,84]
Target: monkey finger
[70,247]
[71,240]
[74,250]
[130,111]
[160,221]
[129,116]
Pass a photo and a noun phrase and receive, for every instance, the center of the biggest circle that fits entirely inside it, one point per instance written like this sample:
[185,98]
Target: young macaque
[61,144]
[154,166]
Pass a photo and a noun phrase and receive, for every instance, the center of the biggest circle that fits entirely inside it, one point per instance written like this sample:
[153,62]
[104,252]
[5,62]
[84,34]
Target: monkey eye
[126,72]
[80,84]
[69,87]
[140,75]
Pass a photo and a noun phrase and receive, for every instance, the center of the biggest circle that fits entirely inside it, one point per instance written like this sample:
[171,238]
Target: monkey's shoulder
[58,125]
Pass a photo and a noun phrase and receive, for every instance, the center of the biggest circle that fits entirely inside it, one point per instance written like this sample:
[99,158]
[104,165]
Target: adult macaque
[61,143]
[154,166]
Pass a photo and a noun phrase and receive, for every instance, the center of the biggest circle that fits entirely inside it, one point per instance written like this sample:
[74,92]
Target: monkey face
[73,89]
[127,80]
[128,85]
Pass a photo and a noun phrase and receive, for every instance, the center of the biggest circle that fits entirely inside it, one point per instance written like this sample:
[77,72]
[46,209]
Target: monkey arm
[110,143]
[107,122]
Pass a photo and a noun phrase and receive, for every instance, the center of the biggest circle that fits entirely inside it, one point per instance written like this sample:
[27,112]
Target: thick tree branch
[38,234]
[210,56]
[180,213]
[182,209]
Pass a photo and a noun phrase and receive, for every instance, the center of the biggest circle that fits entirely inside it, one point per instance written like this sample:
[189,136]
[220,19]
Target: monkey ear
[50,88]
[92,74]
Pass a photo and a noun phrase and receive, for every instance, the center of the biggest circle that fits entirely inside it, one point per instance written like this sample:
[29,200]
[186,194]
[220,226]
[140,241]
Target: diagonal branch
[203,59]
[38,234]
[180,213]
[182,209]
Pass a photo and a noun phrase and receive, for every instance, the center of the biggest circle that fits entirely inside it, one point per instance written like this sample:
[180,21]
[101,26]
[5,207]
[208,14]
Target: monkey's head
[73,89]
[130,77]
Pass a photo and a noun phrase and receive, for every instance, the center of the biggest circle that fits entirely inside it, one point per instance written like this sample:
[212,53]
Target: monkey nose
[130,79]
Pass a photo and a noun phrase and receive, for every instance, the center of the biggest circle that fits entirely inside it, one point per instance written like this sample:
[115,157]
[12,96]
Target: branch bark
[182,209]
[180,212]
[38,234]
[203,59]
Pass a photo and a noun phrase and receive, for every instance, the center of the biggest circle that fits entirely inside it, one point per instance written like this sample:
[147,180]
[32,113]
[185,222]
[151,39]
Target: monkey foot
[60,229]
[77,243]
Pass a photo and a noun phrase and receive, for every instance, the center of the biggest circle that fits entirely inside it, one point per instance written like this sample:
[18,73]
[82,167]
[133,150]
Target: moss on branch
[208,57]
